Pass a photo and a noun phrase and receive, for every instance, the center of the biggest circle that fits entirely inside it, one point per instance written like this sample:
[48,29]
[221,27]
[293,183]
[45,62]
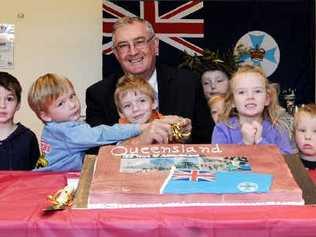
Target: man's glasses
[138,43]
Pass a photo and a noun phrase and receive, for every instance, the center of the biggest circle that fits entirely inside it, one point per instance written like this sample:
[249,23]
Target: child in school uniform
[251,114]
[64,138]
[19,148]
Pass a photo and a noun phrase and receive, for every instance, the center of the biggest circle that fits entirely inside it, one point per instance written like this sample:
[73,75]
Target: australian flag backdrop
[283,29]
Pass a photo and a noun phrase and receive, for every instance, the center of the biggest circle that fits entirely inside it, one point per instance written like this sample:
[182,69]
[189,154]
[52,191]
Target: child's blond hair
[308,109]
[132,83]
[270,112]
[214,99]
[45,90]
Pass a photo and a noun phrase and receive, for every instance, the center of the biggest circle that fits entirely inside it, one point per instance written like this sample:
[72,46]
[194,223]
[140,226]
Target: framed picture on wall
[7,35]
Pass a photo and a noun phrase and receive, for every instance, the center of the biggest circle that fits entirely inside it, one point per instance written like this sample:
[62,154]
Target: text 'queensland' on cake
[165,150]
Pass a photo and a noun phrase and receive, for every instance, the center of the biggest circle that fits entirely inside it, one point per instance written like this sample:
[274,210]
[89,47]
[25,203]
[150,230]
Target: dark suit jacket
[179,91]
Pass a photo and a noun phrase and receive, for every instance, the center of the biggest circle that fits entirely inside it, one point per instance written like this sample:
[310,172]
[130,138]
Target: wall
[55,36]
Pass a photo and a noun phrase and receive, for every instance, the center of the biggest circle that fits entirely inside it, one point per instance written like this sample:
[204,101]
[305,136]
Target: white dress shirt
[154,83]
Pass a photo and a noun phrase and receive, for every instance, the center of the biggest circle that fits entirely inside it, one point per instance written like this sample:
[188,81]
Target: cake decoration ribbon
[62,199]
[178,133]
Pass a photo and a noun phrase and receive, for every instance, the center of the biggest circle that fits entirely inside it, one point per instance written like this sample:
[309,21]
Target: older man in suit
[179,91]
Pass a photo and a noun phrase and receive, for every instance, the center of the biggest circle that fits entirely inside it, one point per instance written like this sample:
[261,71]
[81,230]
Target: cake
[116,183]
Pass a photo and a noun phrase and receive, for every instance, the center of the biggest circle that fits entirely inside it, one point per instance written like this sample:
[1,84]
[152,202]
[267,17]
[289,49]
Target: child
[305,134]
[64,138]
[251,112]
[216,104]
[214,82]
[19,148]
[214,68]
[136,102]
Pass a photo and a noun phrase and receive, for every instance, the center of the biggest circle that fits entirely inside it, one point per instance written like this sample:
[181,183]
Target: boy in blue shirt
[64,138]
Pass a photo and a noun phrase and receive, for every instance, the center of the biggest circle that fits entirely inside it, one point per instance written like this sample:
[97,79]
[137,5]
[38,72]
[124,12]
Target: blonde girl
[252,112]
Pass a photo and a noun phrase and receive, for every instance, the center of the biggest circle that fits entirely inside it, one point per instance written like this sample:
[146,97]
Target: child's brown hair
[12,84]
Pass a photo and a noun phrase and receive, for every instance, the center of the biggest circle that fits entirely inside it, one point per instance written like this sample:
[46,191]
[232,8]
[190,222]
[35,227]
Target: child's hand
[156,131]
[248,132]
[258,135]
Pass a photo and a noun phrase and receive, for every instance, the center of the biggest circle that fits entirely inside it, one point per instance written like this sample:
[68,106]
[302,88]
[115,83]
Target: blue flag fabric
[223,183]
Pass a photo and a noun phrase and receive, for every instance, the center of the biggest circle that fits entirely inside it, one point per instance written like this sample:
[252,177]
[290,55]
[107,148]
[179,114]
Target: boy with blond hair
[135,100]
[64,138]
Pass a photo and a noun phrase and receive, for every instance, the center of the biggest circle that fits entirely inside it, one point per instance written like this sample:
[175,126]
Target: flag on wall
[280,34]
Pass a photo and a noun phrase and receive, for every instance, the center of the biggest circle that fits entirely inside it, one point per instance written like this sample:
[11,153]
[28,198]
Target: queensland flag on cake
[196,181]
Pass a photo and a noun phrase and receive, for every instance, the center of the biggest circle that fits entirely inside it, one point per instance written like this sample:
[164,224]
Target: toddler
[305,134]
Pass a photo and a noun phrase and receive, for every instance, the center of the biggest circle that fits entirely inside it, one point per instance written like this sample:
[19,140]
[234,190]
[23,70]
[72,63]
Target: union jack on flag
[193,175]
[171,27]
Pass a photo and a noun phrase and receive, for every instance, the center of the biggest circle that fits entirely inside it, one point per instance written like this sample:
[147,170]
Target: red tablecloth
[23,196]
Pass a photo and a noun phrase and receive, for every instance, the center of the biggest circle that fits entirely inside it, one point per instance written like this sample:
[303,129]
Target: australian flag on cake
[280,34]
[196,181]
